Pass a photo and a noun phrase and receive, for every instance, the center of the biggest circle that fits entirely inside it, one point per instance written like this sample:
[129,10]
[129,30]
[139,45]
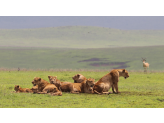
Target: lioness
[58,83]
[43,86]
[78,78]
[84,87]
[18,89]
[110,80]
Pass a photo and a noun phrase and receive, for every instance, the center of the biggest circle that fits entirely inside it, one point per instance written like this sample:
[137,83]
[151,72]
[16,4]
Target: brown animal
[84,87]
[110,80]
[35,89]
[88,86]
[79,78]
[44,87]
[145,65]
[18,89]
[58,93]
[62,86]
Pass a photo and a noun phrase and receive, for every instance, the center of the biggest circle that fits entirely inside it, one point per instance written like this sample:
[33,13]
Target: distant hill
[79,37]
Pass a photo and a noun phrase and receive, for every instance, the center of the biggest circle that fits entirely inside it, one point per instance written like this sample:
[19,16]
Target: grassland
[79,37]
[138,91]
[75,59]
[80,47]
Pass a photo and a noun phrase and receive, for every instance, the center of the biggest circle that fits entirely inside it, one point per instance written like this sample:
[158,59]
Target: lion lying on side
[84,87]
[110,80]
[44,87]
[18,89]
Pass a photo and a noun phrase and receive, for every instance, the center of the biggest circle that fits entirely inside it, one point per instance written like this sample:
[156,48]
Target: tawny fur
[110,80]
[18,89]
[35,89]
[44,87]
[84,87]
[62,86]
[79,78]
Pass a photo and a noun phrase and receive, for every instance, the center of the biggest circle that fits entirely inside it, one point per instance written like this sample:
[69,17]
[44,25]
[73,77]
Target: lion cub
[45,87]
[18,89]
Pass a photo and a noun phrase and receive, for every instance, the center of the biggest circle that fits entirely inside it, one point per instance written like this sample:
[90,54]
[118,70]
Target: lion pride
[18,89]
[84,87]
[44,86]
[110,80]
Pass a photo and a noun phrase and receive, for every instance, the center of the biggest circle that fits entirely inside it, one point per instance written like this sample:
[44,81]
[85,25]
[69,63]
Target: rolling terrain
[79,37]
[80,47]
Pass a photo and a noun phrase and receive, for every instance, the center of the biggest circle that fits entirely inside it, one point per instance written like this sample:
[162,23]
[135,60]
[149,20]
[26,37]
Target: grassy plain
[138,91]
[99,58]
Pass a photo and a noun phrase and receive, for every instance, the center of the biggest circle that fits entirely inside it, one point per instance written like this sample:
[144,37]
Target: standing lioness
[110,80]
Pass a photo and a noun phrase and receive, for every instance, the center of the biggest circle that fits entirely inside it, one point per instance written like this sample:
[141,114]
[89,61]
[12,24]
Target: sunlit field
[138,91]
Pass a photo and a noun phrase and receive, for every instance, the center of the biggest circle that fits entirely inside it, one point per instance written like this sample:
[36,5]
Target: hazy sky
[118,22]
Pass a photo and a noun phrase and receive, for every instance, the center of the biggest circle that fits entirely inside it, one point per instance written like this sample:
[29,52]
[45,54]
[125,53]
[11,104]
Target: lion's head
[125,73]
[16,88]
[36,81]
[78,78]
[90,83]
[53,79]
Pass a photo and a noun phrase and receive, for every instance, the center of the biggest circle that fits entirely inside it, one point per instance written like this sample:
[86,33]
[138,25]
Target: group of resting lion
[80,85]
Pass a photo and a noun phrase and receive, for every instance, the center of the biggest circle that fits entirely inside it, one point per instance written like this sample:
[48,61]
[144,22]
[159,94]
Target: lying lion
[60,85]
[84,87]
[110,80]
[35,89]
[18,89]
[45,87]
[78,78]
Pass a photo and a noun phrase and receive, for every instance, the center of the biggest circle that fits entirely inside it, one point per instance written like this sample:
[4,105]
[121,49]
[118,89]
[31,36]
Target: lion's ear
[78,75]
[39,79]
[17,86]
[55,76]
[49,76]
[123,71]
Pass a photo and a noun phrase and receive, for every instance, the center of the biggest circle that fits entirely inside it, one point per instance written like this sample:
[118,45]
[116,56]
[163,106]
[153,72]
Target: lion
[62,86]
[110,80]
[18,89]
[78,78]
[84,87]
[89,85]
[44,87]
[35,89]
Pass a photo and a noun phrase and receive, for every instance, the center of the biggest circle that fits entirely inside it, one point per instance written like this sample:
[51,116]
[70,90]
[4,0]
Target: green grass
[100,58]
[79,37]
[138,91]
